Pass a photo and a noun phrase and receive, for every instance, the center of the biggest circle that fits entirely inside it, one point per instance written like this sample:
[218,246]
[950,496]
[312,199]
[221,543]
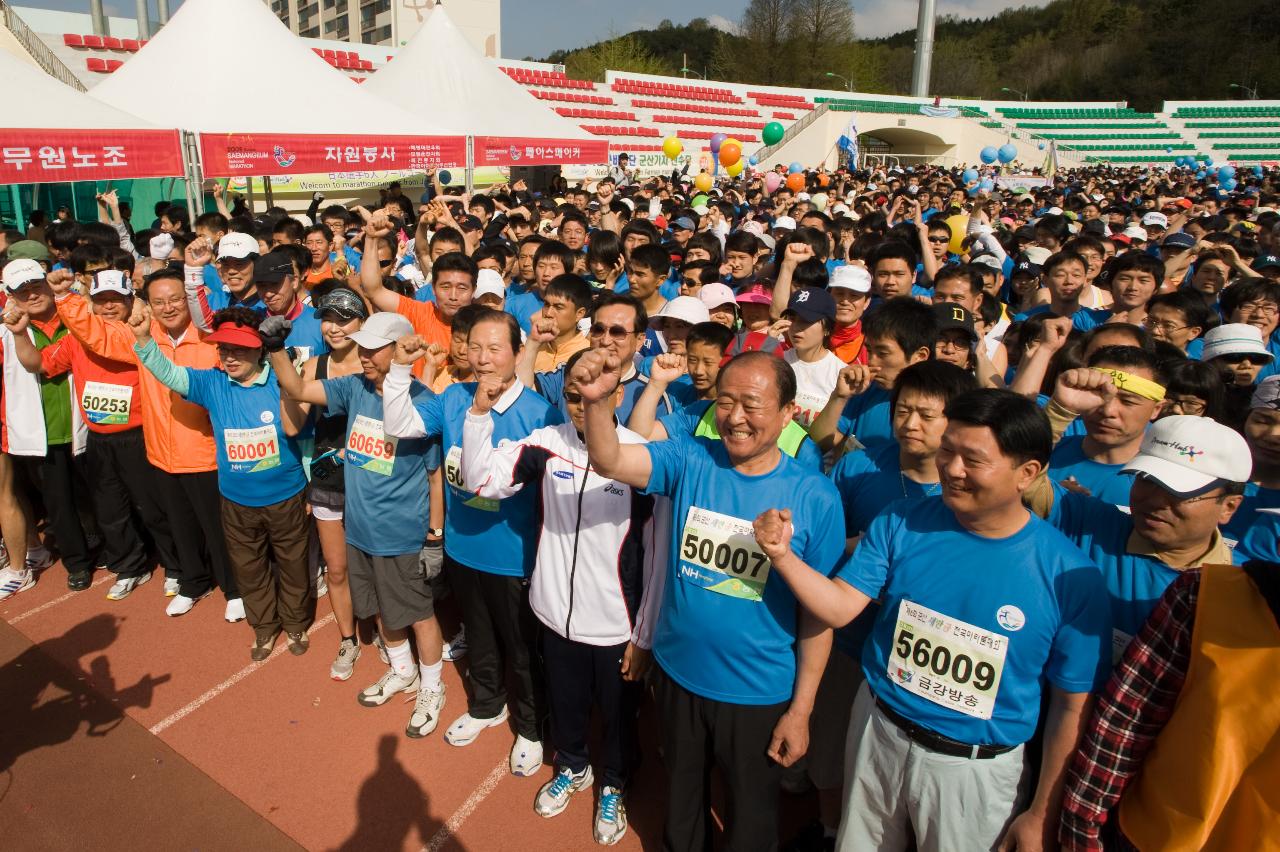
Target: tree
[767,57]
[819,30]
[665,24]
[619,53]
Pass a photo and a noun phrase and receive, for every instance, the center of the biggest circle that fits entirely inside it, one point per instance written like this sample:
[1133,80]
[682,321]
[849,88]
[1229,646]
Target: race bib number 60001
[252,450]
[947,661]
[720,553]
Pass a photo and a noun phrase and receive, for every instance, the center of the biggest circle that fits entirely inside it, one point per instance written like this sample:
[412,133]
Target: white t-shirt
[815,380]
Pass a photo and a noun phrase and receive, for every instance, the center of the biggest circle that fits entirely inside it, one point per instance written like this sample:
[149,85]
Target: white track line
[180,714]
[68,596]
[481,792]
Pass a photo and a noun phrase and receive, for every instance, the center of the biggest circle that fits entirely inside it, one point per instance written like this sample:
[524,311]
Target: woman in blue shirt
[264,516]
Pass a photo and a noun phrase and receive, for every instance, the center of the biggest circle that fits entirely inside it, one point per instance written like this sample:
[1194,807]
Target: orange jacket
[177,433]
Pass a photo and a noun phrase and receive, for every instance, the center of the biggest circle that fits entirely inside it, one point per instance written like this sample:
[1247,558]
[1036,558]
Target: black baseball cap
[951,315]
[272,268]
[812,304]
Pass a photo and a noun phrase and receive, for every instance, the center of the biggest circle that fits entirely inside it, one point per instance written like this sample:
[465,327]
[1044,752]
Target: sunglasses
[616,332]
[939,240]
[1242,358]
[572,398]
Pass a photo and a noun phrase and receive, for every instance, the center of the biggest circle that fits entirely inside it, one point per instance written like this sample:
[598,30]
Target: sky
[537,27]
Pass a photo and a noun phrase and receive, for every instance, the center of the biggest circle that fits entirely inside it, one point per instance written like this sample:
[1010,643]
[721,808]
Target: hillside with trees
[1140,51]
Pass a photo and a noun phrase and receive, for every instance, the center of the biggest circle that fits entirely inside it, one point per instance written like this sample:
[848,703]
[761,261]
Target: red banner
[240,154]
[515,151]
[49,156]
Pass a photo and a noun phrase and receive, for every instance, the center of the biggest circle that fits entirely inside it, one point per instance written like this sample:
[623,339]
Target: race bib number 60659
[720,553]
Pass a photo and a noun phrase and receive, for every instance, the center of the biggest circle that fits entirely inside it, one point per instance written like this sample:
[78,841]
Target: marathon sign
[508,151]
[48,156]
[235,155]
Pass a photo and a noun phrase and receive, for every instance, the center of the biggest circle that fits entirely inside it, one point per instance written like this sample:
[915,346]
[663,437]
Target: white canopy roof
[440,75]
[231,66]
[41,101]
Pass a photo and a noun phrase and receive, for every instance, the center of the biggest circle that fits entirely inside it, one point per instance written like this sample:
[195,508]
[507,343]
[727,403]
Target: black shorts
[393,587]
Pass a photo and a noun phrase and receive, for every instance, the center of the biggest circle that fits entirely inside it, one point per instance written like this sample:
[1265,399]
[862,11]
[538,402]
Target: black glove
[273,331]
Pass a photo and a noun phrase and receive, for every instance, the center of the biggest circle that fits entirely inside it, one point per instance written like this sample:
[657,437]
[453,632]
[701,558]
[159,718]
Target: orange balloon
[796,181]
[730,153]
[824,179]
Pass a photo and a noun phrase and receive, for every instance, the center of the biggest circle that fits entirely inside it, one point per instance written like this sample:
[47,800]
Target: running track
[125,729]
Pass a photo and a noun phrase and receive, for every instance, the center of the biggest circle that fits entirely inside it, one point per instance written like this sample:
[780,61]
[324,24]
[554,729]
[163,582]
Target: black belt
[935,741]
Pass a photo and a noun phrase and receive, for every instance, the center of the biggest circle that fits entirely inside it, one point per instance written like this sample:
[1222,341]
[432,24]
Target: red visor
[235,334]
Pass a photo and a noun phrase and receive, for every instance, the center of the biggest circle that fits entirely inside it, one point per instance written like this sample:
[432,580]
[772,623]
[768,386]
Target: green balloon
[772,133]
[697,200]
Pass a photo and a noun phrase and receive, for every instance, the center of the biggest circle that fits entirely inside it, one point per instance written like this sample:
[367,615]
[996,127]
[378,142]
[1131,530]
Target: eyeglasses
[1165,326]
[1267,309]
[175,302]
[1186,406]
[615,332]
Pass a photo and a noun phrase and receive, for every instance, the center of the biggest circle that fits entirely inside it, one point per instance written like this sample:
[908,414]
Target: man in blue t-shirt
[984,608]
[390,562]
[739,662]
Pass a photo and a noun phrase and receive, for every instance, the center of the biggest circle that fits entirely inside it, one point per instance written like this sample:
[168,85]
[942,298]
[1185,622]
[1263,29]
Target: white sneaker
[381,646]
[526,757]
[466,728]
[554,795]
[426,712]
[344,665]
[181,605]
[13,581]
[388,685]
[171,586]
[611,817]
[38,558]
[235,611]
[456,648]
[4,556]
[124,586]
[322,584]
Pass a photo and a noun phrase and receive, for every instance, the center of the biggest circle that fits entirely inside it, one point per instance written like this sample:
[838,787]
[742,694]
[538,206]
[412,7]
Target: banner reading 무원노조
[233,155]
[33,155]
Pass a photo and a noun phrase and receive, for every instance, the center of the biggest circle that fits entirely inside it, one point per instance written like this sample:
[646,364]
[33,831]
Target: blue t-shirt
[976,623]
[684,420]
[258,464]
[1084,319]
[1134,581]
[494,536]
[869,417]
[551,386]
[219,297]
[385,478]
[727,630]
[669,288]
[1104,481]
[1273,346]
[1247,516]
[869,480]
[522,303]
[1262,541]
[305,335]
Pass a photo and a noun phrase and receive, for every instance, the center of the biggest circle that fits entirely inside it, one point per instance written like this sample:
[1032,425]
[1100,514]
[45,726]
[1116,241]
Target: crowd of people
[954,508]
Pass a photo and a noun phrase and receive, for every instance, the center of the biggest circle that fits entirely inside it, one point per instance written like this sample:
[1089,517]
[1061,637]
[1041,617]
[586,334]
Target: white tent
[264,103]
[51,132]
[440,75]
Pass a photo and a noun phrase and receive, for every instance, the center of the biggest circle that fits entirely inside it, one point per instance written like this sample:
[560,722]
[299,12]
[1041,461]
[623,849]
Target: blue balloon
[987,185]
[989,154]
[1168,150]
[1008,152]
[970,175]
[794,168]
[1226,172]
[445,177]
[973,191]
[1201,174]
[1258,171]
[1228,184]
[1041,146]
[751,161]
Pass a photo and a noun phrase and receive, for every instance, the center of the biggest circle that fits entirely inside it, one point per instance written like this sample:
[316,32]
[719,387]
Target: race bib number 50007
[720,553]
[947,661]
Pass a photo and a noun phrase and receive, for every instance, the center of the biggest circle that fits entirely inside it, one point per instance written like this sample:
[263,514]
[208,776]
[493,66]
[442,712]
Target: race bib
[453,478]
[252,450]
[369,448]
[720,554]
[106,405]
[808,407]
[947,661]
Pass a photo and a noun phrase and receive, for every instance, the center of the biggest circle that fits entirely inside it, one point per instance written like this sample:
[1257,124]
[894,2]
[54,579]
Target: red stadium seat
[95,64]
[94,41]
[112,43]
[72,40]
[131,45]
[113,64]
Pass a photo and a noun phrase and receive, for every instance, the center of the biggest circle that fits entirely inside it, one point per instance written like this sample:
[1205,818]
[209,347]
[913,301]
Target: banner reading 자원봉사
[232,155]
[46,156]
[512,151]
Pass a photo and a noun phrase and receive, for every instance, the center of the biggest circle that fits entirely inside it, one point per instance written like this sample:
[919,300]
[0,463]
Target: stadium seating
[1228,112]
[576,112]
[1092,113]
[673,90]
[572,97]
[677,106]
[710,121]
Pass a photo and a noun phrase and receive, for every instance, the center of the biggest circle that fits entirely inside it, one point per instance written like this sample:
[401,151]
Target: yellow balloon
[672,147]
[703,182]
[959,225]
[735,169]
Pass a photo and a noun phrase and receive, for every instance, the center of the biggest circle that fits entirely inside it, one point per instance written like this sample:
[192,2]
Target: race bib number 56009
[947,661]
[720,553]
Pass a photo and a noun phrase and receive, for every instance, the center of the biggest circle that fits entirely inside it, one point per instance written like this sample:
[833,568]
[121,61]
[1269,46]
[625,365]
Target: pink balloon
[771,181]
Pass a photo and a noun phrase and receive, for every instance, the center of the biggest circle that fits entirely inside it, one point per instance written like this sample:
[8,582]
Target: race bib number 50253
[947,661]
[719,553]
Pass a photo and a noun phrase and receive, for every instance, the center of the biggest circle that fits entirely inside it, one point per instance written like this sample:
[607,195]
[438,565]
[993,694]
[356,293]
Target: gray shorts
[397,588]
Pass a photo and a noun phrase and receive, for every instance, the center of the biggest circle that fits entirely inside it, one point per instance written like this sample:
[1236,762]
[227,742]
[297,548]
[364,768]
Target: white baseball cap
[1037,254]
[784,223]
[851,276]
[688,308]
[1155,218]
[110,281]
[237,245]
[988,260]
[18,273]
[381,329]
[490,283]
[161,246]
[701,209]
[1136,232]
[1185,454]
[1233,338]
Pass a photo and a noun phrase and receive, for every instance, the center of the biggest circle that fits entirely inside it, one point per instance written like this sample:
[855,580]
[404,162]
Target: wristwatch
[435,533]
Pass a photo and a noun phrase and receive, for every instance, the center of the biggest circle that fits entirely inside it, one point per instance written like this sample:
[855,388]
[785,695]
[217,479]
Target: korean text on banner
[47,156]
[510,151]
[237,154]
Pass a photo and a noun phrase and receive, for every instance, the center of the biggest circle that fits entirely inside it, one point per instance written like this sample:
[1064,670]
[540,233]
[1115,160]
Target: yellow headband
[1144,388]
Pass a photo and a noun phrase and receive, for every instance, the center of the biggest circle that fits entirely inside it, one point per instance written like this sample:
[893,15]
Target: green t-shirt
[55,398]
